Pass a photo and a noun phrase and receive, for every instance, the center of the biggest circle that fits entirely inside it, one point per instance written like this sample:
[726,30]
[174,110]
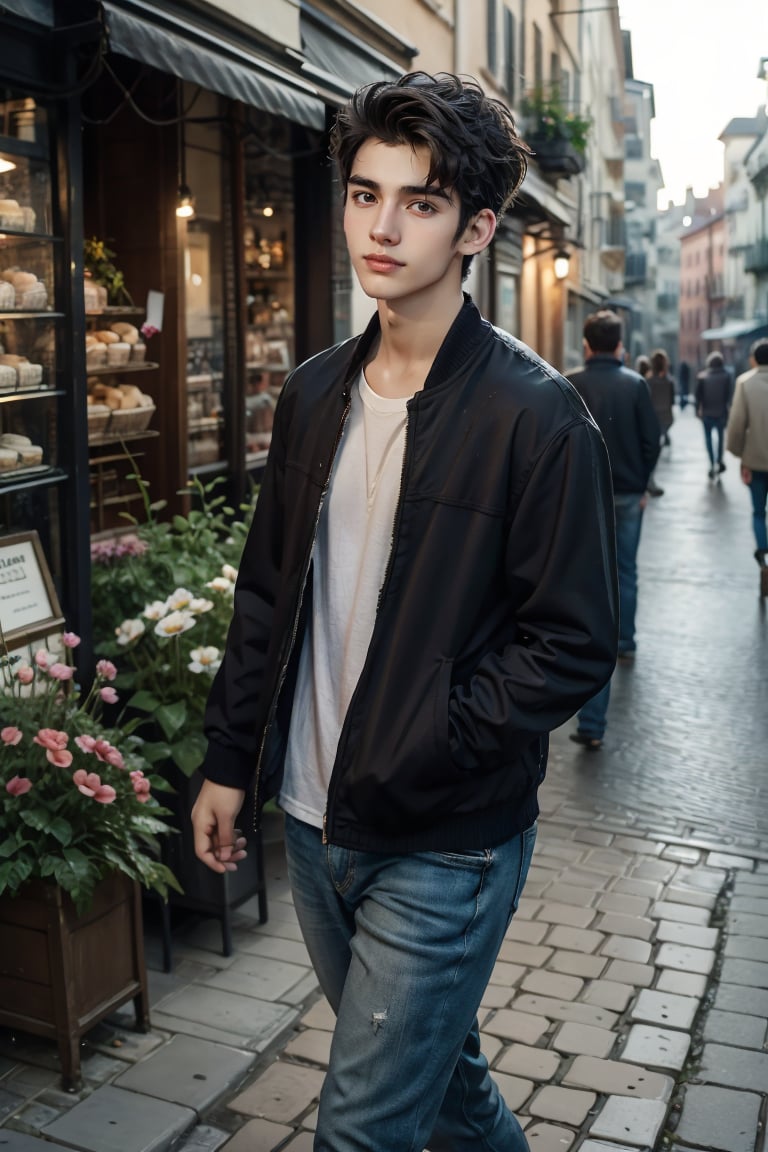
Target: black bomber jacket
[497,617]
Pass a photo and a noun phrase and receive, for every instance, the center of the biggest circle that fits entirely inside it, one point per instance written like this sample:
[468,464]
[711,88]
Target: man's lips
[380,262]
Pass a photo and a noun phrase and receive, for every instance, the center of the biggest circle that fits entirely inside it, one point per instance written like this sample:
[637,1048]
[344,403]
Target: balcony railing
[556,158]
[635,268]
[667,301]
[756,257]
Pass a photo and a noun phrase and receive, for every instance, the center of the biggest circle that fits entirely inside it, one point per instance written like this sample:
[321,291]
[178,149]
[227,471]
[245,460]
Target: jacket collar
[459,347]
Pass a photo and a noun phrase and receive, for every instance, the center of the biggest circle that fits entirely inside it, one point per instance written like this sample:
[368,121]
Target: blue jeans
[403,947]
[629,521]
[713,424]
[758,487]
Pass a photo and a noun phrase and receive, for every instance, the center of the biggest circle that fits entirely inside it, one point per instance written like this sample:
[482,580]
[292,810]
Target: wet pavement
[629,1006]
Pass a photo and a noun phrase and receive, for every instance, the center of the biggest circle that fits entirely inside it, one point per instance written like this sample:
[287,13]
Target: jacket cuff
[226,766]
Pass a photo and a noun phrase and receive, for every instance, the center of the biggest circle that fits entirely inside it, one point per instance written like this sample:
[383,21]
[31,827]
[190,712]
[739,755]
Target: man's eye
[424,207]
[363,197]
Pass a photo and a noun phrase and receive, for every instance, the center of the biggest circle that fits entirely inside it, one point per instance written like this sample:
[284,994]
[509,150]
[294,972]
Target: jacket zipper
[297,613]
[387,574]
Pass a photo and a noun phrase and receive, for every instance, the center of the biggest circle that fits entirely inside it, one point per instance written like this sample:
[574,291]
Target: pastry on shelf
[118,353]
[8,459]
[11,215]
[8,378]
[27,375]
[30,292]
[27,454]
[138,353]
[7,294]
[128,333]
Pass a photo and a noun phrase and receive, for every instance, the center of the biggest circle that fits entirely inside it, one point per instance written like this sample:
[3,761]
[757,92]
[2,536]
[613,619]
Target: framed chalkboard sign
[29,607]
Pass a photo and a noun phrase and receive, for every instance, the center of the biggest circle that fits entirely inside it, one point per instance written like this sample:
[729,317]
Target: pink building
[702,280]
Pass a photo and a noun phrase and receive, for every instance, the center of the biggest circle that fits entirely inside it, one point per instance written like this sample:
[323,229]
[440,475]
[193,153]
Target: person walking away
[747,437]
[662,388]
[643,368]
[713,398]
[684,381]
[620,401]
[426,591]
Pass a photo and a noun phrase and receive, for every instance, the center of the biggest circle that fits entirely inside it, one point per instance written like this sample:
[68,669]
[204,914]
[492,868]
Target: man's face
[401,235]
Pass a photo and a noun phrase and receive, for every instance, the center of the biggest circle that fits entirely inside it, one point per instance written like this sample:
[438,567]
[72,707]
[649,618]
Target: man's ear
[478,233]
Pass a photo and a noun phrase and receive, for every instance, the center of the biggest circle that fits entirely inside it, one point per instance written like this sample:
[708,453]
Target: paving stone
[570,894]
[734,1067]
[654,870]
[738,998]
[584,1040]
[565,1010]
[575,939]
[565,1104]
[682,913]
[656,1047]
[633,886]
[746,947]
[742,923]
[622,972]
[556,913]
[34,1117]
[623,904]
[706,879]
[751,972]
[723,860]
[529,955]
[600,1146]
[592,836]
[242,1019]
[586,878]
[10,1102]
[304,1142]
[523,1060]
[496,996]
[680,894]
[526,931]
[607,860]
[735,1028]
[681,983]
[717,1118]
[608,994]
[512,1025]
[490,1046]
[549,1138]
[749,884]
[27,1080]
[114,1120]
[654,1007]
[615,1078]
[755,905]
[258,1136]
[686,959]
[577,964]
[188,1071]
[562,850]
[12,1141]
[514,1089]
[257,976]
[625,948]
[682,854]
[694,935]
[204,1138]
[277,948]
[527,908]
[638,845]
[281,1094]
[312,1045]
[635,1122]
[553,984]
[638,927]
[506,974]
[320,1015]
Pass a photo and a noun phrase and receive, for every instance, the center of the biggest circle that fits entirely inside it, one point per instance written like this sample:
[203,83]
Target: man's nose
[384,227]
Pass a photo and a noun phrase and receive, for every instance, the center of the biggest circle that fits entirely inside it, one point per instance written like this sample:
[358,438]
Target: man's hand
[746,474]
[217,842]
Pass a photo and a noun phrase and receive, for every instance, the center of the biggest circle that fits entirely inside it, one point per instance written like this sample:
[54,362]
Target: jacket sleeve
[229,724]
[736,432]
[560,568]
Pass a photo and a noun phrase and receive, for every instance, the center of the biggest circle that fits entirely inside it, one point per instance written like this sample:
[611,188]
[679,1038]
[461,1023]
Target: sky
[702,59]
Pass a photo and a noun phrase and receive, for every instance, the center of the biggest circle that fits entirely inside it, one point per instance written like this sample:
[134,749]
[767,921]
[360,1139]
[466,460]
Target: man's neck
[401,360]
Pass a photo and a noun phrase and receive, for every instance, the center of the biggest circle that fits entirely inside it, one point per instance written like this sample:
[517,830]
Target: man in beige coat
[747,437]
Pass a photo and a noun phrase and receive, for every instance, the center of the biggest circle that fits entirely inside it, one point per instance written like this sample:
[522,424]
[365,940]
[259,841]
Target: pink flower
[71,640]
[89,783]
[18,785]
[52,739]
[25,674]
[108,754]
[60,757]
[43,658]
[85,744]
[108,695]
[106,669]
[11,735]
[61,671]
[148,331]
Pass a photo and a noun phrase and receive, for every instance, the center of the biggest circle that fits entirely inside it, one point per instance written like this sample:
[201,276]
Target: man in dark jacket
[620,402]
[714,390]
[426,591]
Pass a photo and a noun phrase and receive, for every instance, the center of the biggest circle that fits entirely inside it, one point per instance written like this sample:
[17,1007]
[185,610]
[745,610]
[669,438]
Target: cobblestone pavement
[629,1006]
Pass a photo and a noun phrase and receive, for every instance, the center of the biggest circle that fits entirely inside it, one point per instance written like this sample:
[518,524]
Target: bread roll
[11,440]
[131,396]
[8,459]
[24,280]
[128,333]
[106,336]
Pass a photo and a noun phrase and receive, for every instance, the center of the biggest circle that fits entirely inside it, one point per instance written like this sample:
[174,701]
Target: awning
[336,62]
[219,65]
[734,329]
[536,190]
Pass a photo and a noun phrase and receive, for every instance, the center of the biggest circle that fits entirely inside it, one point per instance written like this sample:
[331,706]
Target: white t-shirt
[353,543]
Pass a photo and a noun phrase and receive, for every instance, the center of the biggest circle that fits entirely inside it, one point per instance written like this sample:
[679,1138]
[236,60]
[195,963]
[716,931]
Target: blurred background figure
[662,388]
[684,383]
[643,368]
[747,437]
[714,389]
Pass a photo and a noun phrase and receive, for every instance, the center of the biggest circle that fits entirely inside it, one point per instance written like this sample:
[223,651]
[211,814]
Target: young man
[427,590]
[620,401]
[747,437]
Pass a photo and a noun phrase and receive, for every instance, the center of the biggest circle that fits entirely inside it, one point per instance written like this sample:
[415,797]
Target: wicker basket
[125,420]
[98,420]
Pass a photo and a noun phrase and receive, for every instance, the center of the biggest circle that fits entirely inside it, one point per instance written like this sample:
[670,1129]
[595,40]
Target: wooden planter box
[61,973]
[556,158]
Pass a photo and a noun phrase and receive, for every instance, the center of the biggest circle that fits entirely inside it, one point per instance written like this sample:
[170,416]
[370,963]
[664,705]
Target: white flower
[179,600]
[204,660]
[198,605]
[229,572]
[155,611]
[174,624]
[129,631]
[219,584]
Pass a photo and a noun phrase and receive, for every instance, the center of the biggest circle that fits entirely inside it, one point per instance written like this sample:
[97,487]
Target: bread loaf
[106,336]
[128,333]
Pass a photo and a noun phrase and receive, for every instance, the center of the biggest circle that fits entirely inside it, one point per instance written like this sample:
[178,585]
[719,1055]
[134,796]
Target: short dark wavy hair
[603,331]
[475,150]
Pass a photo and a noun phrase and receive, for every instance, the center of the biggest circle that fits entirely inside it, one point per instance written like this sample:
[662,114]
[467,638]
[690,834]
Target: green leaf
[171,717]
[61,829]
[36,818]
[143,701]
[189,752]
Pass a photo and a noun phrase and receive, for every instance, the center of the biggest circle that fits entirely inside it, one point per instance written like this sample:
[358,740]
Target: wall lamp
[562,260]
[185,202]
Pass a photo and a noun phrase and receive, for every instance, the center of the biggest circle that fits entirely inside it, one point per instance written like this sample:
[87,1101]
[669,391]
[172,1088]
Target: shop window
[492,43]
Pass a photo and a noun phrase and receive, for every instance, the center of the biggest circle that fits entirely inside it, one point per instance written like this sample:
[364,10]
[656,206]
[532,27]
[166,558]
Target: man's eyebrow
[405,189]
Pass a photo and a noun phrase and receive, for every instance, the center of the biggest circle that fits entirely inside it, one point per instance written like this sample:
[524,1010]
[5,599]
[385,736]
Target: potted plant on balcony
[79,832]
[557,137]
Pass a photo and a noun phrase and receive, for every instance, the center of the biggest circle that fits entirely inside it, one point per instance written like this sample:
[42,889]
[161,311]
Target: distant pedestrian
[684,383]
[662,388]
[714,390]
[747,437]
[620,403]
[643,367]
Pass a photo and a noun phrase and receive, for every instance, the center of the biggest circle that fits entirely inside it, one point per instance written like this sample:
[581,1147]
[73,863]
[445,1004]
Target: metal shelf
[118,369]
[41,480]
[31,394]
